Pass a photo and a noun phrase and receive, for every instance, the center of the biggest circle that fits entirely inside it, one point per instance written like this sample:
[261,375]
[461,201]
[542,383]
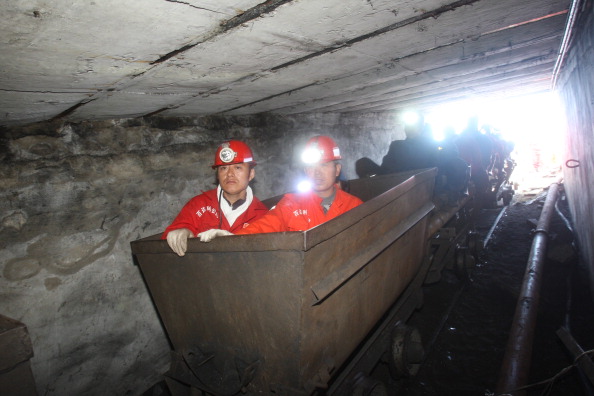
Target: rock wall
[74,196]
[576,87]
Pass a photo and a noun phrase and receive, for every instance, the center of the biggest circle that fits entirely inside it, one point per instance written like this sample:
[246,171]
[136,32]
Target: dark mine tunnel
[297,197]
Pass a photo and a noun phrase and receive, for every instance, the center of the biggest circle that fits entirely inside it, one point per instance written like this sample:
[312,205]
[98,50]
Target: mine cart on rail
[287,313]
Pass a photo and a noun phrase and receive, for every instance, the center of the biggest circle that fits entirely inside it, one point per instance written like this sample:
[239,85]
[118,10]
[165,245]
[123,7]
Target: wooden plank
[401,42]
[410,73]
[443,91]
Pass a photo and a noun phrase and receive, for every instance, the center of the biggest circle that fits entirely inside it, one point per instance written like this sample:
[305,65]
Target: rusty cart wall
[286,310]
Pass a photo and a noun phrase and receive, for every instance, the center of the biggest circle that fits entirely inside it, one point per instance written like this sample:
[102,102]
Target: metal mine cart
[285,313]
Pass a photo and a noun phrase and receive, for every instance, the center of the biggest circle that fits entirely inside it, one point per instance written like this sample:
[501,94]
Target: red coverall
[201,213]
[300,212]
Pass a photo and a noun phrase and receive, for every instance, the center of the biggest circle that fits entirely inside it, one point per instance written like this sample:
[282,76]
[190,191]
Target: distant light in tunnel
[526,119]
[534,123]
[410,117]
[534,118]
[450,117]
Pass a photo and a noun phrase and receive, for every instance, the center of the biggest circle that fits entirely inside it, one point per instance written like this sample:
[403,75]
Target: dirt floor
[466,322]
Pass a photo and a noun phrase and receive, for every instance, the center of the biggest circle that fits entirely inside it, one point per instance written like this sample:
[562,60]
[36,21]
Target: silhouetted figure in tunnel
[417,151]
[453,172]
[475,149]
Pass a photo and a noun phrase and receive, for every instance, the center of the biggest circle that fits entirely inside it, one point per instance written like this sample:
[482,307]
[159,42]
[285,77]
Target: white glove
[178,240]
[209,235]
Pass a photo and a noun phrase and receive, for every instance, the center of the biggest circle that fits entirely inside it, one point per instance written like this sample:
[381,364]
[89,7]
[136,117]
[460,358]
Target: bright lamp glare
[410,117]
[533,124]
[304,186]
[311,156]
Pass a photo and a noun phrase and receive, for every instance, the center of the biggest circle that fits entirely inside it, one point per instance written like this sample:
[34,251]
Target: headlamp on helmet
[320,149]
[233,152]
[311,156]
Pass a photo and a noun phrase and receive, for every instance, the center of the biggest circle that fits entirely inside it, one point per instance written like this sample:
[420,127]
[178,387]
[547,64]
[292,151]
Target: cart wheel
[406,350]
[366,386]
[475,244]
[420,299]
[459,264]
[196,392]
[465,263]
[507,197]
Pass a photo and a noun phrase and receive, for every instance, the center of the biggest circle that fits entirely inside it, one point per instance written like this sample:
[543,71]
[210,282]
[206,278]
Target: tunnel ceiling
[97,59]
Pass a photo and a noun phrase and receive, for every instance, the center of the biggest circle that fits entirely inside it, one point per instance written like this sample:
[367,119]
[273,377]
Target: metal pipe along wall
[517,358]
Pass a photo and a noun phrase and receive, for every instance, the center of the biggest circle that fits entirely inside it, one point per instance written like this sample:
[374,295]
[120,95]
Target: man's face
[322,177]
[234,179]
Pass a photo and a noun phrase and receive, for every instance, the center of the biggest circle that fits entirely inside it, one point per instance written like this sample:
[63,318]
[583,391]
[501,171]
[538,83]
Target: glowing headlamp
[311,156]
[304,186]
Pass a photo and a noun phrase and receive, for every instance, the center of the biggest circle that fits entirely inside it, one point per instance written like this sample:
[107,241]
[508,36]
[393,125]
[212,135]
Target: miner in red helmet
[302,211]
[230,206]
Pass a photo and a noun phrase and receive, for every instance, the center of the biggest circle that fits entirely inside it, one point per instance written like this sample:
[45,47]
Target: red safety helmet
[320,149]
[233,152]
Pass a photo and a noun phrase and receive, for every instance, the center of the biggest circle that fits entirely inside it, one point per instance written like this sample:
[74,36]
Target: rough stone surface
[577,90]
[90,60]
[75,195]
